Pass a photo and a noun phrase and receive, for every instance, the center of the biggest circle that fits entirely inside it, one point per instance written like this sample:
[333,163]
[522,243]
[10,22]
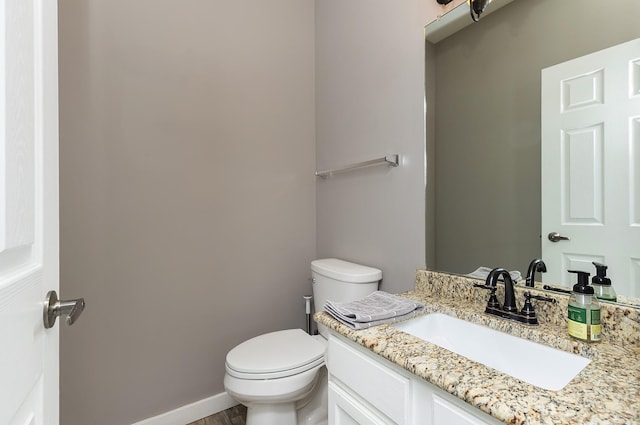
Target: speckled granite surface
[607,391]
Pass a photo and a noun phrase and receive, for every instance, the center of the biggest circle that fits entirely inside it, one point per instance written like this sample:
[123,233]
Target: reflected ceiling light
[476,7]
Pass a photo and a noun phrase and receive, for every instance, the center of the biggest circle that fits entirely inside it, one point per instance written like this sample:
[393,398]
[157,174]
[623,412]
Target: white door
[28,211]
[591,166]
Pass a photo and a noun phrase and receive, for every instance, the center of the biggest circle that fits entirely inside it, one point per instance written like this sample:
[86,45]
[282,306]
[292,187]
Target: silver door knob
[53,308]
[556,237]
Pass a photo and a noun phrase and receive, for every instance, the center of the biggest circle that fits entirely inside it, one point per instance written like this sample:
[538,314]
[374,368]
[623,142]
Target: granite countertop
[607,390]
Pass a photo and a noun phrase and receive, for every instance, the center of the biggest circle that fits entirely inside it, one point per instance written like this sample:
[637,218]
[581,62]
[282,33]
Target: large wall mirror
[484,127]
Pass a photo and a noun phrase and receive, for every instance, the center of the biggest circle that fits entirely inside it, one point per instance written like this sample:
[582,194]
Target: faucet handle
[541,298]
[527,308]
[493,299]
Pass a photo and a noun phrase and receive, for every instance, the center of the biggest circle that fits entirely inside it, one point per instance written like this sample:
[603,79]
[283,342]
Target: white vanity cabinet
[366,389]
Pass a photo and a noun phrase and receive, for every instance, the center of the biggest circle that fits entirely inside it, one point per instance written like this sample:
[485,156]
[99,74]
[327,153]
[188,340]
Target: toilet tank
[341,281]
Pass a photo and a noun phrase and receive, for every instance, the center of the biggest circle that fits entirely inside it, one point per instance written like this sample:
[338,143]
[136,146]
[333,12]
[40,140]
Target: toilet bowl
[280,376]
[272,373]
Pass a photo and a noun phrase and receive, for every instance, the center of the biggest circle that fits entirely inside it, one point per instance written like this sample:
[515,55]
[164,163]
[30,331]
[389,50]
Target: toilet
[280,376]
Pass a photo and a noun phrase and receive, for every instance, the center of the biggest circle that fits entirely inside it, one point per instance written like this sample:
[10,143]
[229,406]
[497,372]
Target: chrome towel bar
[392,160]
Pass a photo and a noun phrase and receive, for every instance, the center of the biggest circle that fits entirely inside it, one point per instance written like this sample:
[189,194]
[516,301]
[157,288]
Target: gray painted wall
[187,193]
[488,169]
[188,202]
[370,103]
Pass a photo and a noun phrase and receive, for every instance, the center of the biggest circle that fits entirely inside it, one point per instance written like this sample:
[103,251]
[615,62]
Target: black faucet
[509,310]
[509,295]
[537,265]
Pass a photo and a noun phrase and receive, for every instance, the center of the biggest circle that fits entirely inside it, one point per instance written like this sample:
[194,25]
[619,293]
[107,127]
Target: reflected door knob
[53,308]
[556,237]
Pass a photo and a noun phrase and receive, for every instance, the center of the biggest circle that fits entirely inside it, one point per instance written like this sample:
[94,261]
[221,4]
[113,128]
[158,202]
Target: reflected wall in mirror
[483,126]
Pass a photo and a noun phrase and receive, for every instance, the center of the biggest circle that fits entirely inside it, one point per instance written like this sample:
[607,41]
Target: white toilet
[280,376]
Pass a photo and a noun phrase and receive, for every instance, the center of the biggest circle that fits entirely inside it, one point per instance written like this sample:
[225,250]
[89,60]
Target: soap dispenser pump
[602,284]
[584,311]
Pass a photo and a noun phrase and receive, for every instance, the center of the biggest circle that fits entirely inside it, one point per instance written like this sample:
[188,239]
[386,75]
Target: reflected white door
[591,166]
[28,211]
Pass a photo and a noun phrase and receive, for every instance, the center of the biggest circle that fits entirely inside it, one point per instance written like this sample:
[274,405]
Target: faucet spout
[509,294]
[509,310]
[537,265]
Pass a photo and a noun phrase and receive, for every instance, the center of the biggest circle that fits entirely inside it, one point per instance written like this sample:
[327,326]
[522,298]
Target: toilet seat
[275,355]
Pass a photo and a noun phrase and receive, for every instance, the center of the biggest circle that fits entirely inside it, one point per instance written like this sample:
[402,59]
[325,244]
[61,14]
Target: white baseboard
[192,412]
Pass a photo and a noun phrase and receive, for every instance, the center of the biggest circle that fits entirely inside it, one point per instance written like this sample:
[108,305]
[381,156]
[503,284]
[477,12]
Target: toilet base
[311,409]
[269,414]
[315,410]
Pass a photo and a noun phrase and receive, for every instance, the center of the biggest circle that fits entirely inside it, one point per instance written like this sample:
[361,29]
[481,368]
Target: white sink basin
[537,364]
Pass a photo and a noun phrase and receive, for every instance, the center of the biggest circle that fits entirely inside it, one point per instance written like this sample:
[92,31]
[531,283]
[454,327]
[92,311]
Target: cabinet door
[346,410]
[366,375]
[449,414]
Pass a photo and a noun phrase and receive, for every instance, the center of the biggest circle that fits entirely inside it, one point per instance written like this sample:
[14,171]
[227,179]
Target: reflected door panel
[590,129]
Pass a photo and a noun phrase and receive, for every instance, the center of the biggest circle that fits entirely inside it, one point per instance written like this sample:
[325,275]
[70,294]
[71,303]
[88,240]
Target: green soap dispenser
[602,284]
[584,311]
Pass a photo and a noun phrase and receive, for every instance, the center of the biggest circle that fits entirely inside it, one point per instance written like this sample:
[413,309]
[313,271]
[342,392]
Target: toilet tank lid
[345,271]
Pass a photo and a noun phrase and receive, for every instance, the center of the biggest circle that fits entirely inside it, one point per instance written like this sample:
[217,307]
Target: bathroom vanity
[365,389]
[382,375]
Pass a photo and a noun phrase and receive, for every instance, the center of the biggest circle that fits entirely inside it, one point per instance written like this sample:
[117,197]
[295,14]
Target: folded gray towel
[483,273]
[374,309]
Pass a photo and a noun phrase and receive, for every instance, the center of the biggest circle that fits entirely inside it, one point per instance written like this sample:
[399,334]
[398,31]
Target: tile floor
[233,416]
